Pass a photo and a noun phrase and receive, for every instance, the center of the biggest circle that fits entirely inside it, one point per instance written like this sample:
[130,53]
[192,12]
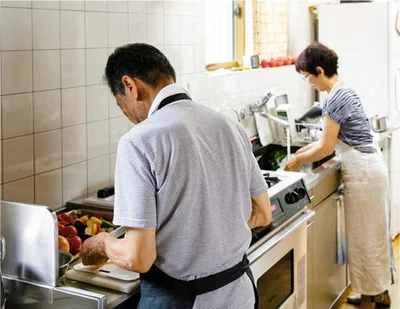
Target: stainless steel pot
[379,123]
[64,259]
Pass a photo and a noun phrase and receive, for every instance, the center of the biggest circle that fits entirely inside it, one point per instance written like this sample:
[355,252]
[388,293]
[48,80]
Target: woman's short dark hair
[139,60]
[317,55]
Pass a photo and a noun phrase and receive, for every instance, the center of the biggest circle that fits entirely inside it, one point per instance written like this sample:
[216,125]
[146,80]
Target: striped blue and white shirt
[345,108]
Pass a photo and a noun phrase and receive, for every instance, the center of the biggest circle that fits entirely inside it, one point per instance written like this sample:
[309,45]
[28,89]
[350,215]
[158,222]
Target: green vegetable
[107,224]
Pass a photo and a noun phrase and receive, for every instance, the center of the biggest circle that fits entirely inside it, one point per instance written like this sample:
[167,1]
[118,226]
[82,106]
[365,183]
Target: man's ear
[130,85]
[320,71]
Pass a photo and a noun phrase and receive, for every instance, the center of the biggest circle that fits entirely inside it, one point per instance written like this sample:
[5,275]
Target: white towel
[341,258]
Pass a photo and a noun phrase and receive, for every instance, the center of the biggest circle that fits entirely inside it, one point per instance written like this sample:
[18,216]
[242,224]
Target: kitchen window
[249,27]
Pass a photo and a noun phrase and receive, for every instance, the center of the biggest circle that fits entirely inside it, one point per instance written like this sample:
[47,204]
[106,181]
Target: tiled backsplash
[59,123]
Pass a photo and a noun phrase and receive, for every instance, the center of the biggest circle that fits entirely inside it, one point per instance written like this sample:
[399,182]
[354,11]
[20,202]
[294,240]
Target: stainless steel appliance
[278,254]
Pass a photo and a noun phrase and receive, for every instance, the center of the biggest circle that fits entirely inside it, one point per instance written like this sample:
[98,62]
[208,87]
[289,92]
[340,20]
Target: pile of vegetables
[73,230]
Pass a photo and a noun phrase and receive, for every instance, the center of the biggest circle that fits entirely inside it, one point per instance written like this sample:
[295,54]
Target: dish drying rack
[302,134]
[290,133]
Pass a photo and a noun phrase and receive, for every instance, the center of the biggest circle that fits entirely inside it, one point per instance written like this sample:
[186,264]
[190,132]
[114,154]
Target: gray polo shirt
[190,172]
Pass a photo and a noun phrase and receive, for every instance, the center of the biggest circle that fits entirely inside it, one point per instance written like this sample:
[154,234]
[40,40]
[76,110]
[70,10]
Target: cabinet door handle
[312,197]
[309,223]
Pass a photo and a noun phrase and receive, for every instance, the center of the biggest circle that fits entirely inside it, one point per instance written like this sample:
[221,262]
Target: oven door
[279,266]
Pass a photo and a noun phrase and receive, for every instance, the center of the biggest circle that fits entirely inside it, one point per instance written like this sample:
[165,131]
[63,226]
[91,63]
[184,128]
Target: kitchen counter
[322,172]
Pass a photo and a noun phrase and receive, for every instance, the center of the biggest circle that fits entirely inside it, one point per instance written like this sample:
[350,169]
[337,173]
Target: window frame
[239,39]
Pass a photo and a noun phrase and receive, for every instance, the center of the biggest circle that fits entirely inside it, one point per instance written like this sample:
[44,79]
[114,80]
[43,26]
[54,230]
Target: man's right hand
[261,214]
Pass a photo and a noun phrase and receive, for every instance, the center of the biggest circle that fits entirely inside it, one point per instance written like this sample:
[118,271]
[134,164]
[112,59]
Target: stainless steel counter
[323,171]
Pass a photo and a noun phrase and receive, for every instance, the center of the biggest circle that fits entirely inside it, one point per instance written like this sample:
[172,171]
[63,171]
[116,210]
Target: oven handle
[268,245]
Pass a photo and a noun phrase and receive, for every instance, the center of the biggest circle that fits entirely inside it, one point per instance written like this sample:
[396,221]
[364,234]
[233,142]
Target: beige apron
[366,203]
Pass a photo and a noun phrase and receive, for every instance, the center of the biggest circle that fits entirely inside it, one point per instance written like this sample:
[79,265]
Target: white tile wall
[155,29]
[118,127]
[73,68]
[16,72]
[17,111]
[117,6]
[16,29]
[136,6]
[74,145]
[113,160]
[97,102]
[171,7]
[73,106]
[155,7]
[17,158]
[48,189]
[74,181]
[72,25]
[47,151]
[56,55]
[99,6]
[17,4]
[45,34]
[96,29]
[47,110]
[46,70]
[117,29]
[72,5]
[98,173]
[137,28]
[98,139]
[171,29]
[96,60]
[20,191]
[54,4]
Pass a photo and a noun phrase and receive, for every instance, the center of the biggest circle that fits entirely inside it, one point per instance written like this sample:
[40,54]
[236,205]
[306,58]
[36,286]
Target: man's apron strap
[202,285]
[173,98]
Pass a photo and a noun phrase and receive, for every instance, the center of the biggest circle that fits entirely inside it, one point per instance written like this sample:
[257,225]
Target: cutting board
[108,270]
[109,283]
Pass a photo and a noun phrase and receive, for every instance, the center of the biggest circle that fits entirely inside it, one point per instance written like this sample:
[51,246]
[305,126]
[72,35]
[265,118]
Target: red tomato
[264,63]
[287,60]
[280,61]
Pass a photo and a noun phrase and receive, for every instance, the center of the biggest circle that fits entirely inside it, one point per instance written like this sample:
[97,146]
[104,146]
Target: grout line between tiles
[33,111]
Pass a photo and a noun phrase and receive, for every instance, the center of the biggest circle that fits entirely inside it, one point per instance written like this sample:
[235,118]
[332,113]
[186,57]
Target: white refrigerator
[366,37]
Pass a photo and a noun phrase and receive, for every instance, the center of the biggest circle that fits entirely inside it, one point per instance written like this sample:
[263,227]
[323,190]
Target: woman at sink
[346,130]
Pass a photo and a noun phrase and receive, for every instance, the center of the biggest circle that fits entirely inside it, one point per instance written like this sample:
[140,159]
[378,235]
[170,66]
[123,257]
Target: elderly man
[187,189]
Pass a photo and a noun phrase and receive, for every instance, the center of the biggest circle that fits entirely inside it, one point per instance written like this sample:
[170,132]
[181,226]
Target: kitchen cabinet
[326,279]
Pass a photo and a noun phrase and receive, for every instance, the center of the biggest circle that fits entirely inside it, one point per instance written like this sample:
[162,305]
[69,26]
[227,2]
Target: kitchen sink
[270,156]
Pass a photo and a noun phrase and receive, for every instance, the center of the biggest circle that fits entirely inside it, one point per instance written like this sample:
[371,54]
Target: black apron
[161,291]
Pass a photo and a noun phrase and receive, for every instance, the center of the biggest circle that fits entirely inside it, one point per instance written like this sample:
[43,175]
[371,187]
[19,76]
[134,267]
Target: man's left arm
[136,252]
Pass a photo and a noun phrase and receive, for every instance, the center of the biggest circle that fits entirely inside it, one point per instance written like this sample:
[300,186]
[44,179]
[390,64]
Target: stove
[288,196]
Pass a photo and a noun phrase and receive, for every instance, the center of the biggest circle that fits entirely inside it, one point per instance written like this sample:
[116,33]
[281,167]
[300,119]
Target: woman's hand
[293,164]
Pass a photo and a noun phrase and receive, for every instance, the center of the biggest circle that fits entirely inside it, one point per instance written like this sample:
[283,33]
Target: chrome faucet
[258,107]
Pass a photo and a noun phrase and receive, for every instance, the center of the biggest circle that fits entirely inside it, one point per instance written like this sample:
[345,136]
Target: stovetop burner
[288,196]
[271,181]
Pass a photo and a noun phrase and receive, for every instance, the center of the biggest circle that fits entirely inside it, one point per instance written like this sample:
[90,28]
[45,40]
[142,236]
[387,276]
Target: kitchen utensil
[64,259]
[379,123]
